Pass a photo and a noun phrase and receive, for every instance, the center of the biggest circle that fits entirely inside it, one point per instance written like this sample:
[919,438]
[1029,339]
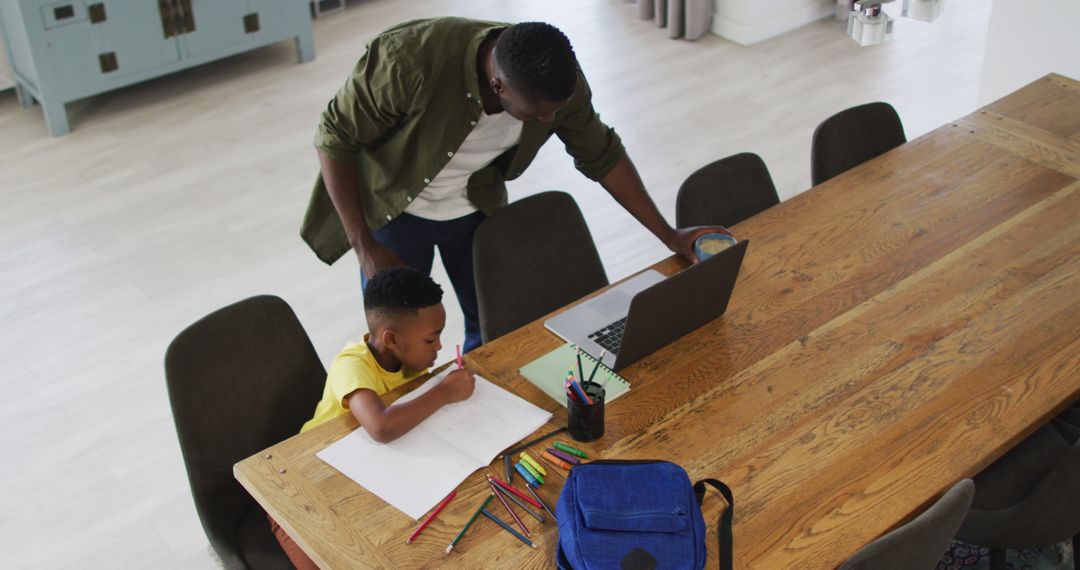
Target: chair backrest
[239,380]
[1048,514]
[921,542]
[725,192]
[852,137]
[530,258]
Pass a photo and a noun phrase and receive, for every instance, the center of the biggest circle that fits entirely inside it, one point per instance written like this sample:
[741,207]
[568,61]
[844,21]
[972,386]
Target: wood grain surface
[893,330]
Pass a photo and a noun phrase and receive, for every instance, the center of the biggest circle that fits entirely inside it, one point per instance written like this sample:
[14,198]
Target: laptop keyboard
[610,337]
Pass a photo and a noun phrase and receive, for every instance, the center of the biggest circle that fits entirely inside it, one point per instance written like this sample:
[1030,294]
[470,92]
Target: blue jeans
[414,240]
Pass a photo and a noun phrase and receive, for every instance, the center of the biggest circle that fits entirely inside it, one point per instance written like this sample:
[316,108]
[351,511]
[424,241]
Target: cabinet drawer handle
[64,12]
[108,62]
[97,13]
[251,23]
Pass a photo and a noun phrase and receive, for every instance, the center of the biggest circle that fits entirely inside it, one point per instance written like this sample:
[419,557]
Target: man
[415,149]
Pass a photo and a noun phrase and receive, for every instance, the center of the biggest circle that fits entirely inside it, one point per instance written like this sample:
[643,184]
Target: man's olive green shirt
[411,101]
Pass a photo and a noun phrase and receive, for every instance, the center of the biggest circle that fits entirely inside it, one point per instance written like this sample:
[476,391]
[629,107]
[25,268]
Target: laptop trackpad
[614,305]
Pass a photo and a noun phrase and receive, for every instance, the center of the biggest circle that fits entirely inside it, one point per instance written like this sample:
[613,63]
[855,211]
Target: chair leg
[997,558]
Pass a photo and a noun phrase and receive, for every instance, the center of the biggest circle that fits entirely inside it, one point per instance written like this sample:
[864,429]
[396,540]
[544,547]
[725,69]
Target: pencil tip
[409,541]
[449,548]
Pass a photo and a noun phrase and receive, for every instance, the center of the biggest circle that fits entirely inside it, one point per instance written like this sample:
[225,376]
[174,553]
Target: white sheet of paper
[417,470]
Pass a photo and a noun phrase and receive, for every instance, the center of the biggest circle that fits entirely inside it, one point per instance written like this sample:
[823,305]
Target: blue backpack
[636,515]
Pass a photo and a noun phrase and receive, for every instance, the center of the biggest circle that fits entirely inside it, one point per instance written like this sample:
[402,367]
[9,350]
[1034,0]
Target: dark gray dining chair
[530,258]
[239,380]
[725,192]
[923,541]
[1029,498]
[852,137]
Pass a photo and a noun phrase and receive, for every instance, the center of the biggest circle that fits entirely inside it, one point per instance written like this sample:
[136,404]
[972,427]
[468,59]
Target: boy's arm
[387,424]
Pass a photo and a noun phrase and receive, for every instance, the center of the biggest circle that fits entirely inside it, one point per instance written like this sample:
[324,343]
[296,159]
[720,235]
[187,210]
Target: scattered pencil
[512,490]
[510,510]
[499,490]
[541,501]
[434,514]
[507,528]
[468,524]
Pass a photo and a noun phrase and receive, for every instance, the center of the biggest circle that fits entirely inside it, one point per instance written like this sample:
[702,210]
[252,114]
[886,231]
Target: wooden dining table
[892,331]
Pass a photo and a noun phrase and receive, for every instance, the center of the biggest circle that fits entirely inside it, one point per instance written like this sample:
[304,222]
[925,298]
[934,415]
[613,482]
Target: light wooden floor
[172,198]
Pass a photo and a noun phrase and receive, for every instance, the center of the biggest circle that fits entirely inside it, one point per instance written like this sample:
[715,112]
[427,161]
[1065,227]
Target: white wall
[1028,39]
[750,21]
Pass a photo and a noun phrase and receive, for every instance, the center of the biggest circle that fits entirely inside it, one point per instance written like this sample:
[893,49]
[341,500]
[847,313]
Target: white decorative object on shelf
[868,24]
[925,10]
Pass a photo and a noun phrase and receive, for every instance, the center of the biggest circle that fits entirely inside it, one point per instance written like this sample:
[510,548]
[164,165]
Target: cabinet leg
[55,118]
[25,98]
[305,47]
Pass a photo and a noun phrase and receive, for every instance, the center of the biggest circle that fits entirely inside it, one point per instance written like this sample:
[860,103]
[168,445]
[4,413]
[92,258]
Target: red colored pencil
[515,491]
[516,518]
[434,514]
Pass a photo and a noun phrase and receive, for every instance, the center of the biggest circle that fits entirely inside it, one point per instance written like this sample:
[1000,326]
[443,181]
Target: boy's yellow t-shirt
[353,368]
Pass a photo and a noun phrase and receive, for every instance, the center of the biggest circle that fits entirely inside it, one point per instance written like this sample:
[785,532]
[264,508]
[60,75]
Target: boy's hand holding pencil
[458,385]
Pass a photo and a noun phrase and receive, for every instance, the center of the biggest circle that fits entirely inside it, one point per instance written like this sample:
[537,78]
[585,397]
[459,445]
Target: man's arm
[387,424]
[341,183]
[624,184]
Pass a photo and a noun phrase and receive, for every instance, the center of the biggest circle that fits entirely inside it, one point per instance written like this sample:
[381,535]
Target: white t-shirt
[444,197]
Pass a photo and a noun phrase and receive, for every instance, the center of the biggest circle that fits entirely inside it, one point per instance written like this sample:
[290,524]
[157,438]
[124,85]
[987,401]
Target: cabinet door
[219,26]
[91,45]
[133,31]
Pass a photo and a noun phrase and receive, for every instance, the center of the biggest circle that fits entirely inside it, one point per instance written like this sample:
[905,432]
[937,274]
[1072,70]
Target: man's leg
[455,247]
[412,239]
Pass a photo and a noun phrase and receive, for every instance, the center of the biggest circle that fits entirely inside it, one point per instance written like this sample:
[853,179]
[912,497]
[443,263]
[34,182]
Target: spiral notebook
[549,373]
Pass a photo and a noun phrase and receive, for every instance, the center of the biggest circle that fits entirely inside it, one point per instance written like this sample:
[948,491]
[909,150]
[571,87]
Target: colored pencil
[512,490]
[564,456]
[459,364]
[434,514]
[532,471]
[499,490]
[507,528]
[581,395]
[597,365]
[508,468]
[510,510]
[570,450]
[541,501]
[528,459]
[530,443]
[580,372]
[468,524]
[544,455]
[525,474]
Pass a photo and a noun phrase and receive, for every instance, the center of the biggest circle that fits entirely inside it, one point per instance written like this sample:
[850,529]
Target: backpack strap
[724,532]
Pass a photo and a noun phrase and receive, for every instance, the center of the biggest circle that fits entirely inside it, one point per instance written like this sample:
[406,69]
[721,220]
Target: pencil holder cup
[585,422]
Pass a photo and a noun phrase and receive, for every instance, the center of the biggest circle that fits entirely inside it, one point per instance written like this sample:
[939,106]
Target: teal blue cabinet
[67,50]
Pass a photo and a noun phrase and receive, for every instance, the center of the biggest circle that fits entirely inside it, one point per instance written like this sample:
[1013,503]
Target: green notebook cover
[549,373]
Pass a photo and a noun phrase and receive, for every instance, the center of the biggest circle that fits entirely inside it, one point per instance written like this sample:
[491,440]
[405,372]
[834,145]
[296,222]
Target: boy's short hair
[537,60]
[400,292]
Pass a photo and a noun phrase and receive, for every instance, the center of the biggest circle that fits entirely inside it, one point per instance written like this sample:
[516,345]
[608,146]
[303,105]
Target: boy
[405,318]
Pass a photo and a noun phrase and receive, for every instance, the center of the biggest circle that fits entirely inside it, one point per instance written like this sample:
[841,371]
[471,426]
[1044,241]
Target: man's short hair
[538,61]
[400,292]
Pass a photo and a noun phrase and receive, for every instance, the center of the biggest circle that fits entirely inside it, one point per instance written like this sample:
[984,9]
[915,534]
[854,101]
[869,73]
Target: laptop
[648,311]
